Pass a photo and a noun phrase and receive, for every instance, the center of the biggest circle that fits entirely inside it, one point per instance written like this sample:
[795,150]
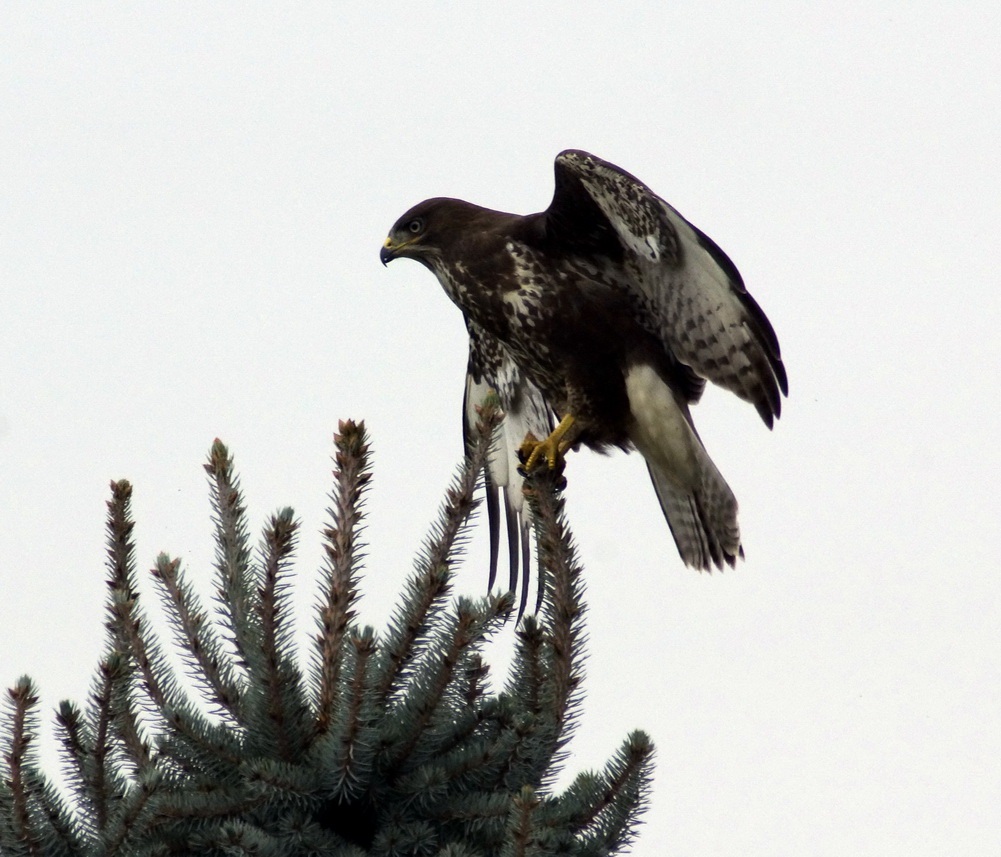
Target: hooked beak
[388,252]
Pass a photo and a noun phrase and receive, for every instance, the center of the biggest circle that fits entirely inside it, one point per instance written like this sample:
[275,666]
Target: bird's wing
[689,289]
[491,369]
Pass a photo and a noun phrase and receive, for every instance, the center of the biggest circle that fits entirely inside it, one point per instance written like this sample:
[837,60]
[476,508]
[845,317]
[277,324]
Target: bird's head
[435,231]
[413,235]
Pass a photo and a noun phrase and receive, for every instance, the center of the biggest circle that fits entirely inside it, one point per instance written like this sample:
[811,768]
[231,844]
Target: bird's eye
[416,225]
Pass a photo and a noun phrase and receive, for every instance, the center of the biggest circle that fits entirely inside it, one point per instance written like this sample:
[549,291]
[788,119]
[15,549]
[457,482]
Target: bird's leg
[553,447]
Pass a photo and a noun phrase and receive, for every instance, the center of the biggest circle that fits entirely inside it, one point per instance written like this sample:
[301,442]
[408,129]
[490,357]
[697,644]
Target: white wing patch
[692,293]
[644,246]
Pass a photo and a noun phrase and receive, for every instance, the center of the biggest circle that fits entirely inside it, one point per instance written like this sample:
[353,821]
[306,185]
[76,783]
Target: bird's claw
[532,451]
[552,448]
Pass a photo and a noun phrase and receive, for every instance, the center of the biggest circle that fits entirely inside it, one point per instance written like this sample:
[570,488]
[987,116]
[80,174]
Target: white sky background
[191,208]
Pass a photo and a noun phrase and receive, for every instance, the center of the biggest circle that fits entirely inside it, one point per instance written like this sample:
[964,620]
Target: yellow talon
[553,447]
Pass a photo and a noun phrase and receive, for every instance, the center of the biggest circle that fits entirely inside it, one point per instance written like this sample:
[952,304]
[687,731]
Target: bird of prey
[608,311]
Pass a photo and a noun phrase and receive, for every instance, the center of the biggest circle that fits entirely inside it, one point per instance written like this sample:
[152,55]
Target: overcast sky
[192,201]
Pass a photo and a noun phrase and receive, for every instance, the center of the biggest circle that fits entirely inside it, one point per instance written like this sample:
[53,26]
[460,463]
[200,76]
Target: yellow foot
[552,448]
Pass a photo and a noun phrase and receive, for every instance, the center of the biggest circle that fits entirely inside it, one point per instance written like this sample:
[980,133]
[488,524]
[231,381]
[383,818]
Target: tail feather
[700,508]
[525,411]
[703,521]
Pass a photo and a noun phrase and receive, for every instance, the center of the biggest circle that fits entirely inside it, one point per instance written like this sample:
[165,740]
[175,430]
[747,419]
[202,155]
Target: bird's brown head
[432,230]
[413,235]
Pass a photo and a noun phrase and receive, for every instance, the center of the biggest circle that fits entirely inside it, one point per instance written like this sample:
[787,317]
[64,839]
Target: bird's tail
[700,508]
[703,519]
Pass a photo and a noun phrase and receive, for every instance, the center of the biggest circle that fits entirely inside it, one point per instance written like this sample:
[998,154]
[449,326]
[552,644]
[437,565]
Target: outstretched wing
[690,291]
[491,369]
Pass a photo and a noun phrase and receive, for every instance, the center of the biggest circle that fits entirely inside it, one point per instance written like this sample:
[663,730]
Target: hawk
[608,311]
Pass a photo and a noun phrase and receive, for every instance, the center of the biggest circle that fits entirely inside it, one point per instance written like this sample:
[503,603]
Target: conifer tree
[385,743]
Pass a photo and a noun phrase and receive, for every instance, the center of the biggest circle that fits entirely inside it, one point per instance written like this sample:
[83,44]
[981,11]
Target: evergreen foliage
[389,744]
